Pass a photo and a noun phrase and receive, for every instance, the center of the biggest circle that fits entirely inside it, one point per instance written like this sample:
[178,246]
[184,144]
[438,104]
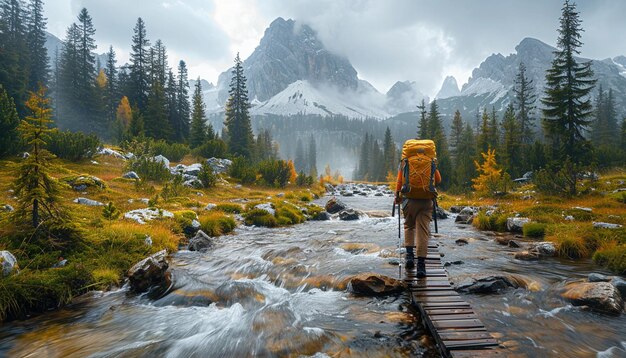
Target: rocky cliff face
[449,88]
[289,52]
[403,97]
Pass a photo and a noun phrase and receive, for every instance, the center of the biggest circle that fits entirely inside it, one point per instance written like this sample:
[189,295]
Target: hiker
[415,190]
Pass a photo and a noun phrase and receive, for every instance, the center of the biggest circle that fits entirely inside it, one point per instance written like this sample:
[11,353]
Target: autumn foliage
[489,176]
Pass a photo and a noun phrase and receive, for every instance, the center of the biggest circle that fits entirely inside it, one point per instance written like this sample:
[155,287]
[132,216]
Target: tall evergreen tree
[156,123]
[312,157]
[198,134]
[604,128]
[567,106]
[364,158]
[9,121]
[423,132]
[36,39]
[237,114]
[140,66]
[111,93]
[524,104]
[466,153]
[511,153]
[483,141]
[389,153]
[494,131]
[456,131]
[14,60]
[170,94]
[301,159]
[438,135]
[182,101]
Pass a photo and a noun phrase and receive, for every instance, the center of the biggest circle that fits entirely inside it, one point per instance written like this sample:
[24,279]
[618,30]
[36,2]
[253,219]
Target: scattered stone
[210,206]
[193,183]
[537,251]
[267,207]
[462,242]
[280,195]
[8,262]
[448,263]
[161,159]
[603,225]
[526,256]
[373,284]
[143,215]
[200,242]
[503,240]
[148,240]
[514,244]
[569,218]
[588,210]
[441,214]
[6,207]
[515,224]
[83,182]
[455,209]
[489,283]
[620,285]
[596,277]
[94,162]
[131,175]
[334,206]
[468,210]
[150,274]
[464,219]
[219,166]
[598,296]
[61,263]
[321,216]
[88,202]
[349,214]
[238,186]
[24,155]
[111,152]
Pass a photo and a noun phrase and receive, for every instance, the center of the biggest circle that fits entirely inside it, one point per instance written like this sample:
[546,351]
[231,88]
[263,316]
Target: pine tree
[86,70]
[123,118]
[511,153]
[423,132]
[198,131]
[182,101]
[9,121]
[456,132]
[464,165]
[567,106]
[438,135]
[36,190]
[389,153]
[111,93]
[623,135]
[364,159]
[524,104]
[237,114]
[14,59]
[36,40]
[604,127]
[172,107]
[156,123]
[300,160]
[140,65]
[137,125]
[483,140]
[312,157]
[494,131]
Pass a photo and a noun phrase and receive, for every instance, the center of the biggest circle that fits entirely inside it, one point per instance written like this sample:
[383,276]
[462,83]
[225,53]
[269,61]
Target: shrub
[207,177]
[110,212]
[289,215]
[259,217]
[275,172]
[105,278]
[304,180]
[149,169]
[532,229]
[73,146]
[174,188]
[493,222]
[229,208]
[613,256]
[174,152]
[574,247]
[243,170]
[185,217]
[216,224]
[213,148]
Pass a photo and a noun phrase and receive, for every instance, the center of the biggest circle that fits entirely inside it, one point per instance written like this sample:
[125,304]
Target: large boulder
[464,219]
[150,274]
[349,215]
[147,214]
[373,284]
[537,251]
[516,224]
[83,182]
[441,214]
[131,175]
[495,283]
[200,242]
[193,169]
[321,216]
[603,225]
[219,166]
[111,152]
[161,159]
[8,262]
[598,296]
[88,202]
[335,205]
[620,284]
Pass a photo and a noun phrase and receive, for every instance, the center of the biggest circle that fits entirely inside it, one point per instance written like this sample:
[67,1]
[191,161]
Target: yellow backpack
[419,163]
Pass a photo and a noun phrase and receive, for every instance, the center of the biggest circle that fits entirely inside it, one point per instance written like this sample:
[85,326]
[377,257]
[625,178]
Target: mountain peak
[449,88]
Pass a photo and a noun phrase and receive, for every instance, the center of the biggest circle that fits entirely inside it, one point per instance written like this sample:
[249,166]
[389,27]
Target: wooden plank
[429,299]
[429,293]
[446,305]
[486,353]
[447,317]
[463,323]
[483,343]
[454,336]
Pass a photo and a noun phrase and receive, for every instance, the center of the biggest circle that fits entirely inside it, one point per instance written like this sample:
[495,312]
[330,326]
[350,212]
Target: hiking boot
[421,267]
[410,258]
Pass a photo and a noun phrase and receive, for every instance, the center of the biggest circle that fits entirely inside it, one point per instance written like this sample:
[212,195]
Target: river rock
[150,274]
[6,208]
[192,228]
[161,159]
[455,209]
[537,251]
[450,263]
[148,214]
[620,285]
[218,165]
[349,214]
[200,242]
[514,244]
[335,205]
[598,296]
[373,284]
[464,219]
[489,283]
[88,202]
[596,277]
[502,240]
[603,225]
[321,216]
[131,175]
[441,214]
[267,207]
[516,224]
[8,263]
[526,255]
[462,242]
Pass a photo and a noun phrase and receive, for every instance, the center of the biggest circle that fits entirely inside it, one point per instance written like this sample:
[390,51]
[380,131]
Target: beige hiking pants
[417,216]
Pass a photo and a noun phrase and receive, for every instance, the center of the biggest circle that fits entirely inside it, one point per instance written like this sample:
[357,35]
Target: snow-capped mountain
[404,97]
[491,83]
[449,88]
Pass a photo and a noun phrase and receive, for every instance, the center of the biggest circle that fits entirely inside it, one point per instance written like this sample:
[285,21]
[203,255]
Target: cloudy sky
[386,41]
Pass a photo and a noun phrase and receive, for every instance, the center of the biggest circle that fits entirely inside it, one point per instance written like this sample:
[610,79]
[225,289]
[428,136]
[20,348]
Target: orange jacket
[401,179]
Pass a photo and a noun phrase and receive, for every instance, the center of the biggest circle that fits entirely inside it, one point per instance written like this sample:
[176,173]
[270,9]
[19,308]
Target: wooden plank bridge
[457,330]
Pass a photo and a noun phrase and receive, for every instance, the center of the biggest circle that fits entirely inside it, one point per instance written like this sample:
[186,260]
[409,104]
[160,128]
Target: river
[279,293]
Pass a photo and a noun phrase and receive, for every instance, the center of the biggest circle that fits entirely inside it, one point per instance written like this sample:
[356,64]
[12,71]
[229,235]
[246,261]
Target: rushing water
[280,293]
